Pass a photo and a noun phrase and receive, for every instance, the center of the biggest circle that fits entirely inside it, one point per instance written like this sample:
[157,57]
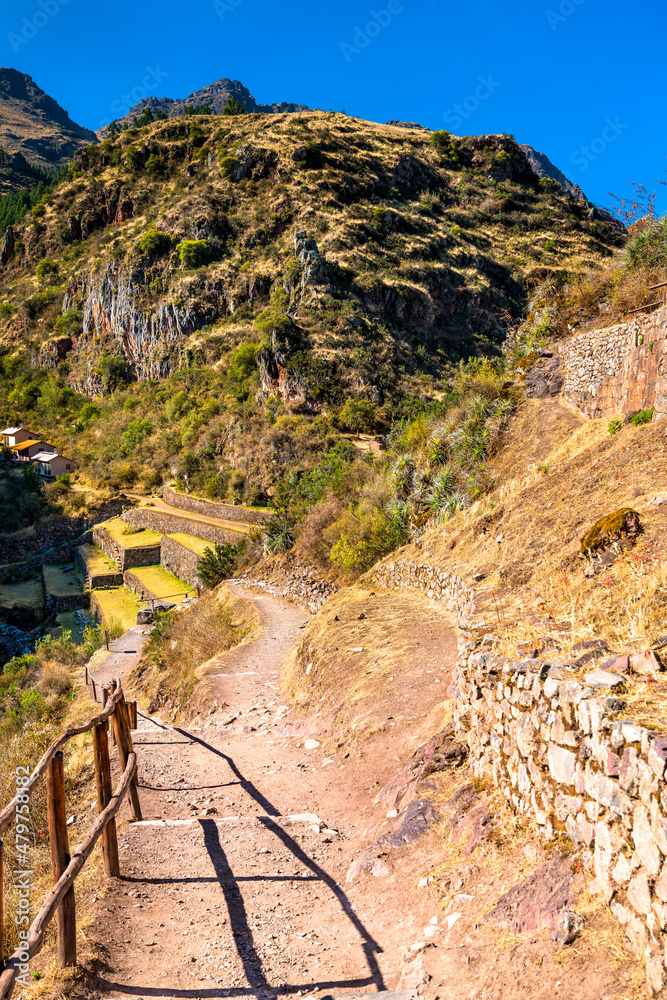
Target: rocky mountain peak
[215,95]
[33,124]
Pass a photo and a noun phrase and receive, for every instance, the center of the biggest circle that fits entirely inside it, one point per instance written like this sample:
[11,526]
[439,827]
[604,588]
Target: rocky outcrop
[148,340]
[543,167]
[7,247]
[214,95]
[33,124]
[314,275]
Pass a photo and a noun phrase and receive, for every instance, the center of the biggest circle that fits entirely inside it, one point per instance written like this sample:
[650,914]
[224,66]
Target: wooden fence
[60,901]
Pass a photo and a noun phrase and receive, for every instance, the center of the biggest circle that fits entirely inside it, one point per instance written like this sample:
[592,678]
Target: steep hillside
[236,296]
[214,96]
[33,124]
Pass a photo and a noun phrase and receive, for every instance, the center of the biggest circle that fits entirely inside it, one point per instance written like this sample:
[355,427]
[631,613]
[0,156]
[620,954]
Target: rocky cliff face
[215,95]
[543,167]
[33,124]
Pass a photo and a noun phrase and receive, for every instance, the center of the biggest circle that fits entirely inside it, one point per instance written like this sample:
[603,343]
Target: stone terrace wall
[449,588]
[181,561]
[564,753]
[224,511]
[618,369]
[169,524]
[95,581]
[124,558]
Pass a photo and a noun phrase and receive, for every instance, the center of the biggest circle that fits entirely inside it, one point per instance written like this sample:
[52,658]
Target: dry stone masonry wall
[169,524]
[618,370]
[224,511]
[181,561]
[559,741]
[147,555]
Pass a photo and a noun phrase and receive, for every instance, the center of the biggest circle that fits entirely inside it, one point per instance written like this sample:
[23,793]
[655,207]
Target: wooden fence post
[112,688]
[105,696]
[104,793]
[132,706]
[60,858]
[121,728]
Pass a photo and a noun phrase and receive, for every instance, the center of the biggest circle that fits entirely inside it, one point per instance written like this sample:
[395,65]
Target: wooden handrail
[8,813]
[66,881]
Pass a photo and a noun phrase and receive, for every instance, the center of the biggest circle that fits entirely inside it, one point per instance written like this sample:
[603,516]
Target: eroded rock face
[147,340]
[534,902]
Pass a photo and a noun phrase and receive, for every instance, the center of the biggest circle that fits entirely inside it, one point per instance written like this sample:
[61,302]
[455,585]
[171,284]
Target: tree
[194,253]
[218,563]
[153,164]
[114,371]
[233,107]
[113,128]
[358,415]
[47,271]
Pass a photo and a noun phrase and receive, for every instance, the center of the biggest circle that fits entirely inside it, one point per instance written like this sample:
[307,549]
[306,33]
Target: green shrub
[47,271]
[69,324]
[227,166]
[358,415]
[153,164]
[136,431]
[113,371]
[154,243]
[233,107]
[194,253]
[643,417]
[218,563]
[36,304]
[614,425]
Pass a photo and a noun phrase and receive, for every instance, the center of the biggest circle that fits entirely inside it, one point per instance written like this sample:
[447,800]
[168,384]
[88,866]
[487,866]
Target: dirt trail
[234,884]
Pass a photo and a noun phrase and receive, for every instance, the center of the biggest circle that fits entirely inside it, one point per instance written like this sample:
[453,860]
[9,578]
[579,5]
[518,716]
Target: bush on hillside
[194,253]
[218,563]
[47,271]
[154,243]
[233,107]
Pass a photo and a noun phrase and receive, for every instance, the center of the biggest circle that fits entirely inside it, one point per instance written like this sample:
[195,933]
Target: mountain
[343,259]
[34,125]
[215,95]
[543,167]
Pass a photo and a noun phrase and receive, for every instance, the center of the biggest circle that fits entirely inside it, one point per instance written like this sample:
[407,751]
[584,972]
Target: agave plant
[403,475]
[441,490]
[648,247]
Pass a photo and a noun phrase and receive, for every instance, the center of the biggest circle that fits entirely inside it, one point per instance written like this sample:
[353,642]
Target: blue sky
[581,80]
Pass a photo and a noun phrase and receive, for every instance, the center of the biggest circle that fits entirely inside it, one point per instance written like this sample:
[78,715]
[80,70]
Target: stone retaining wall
[181,561]
[96,580]
[619,369]
[436,583]
[556,739]
[170,524]
[147,555]
[224,511]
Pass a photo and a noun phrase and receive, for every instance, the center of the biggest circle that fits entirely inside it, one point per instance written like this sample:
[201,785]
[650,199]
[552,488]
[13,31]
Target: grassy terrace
[29,593]
[117,528]
[191,542]
[97,563]
[160,581]
[118,604]
[61,581]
